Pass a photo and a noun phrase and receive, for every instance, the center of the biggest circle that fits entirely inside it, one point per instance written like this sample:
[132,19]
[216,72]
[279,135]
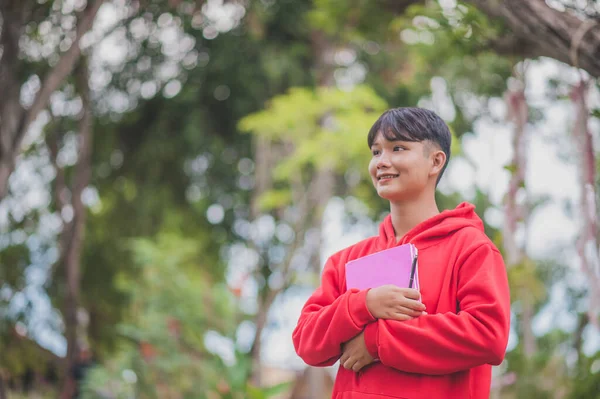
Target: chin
[390,196]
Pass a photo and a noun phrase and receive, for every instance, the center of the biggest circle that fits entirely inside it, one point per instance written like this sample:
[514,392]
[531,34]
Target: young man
[396,342]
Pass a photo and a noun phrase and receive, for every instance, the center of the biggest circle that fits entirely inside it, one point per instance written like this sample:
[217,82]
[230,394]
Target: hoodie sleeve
[447,342]
[329,319]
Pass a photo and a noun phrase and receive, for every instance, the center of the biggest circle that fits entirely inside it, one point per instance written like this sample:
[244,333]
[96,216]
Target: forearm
[322,330]
[440,343]
[448,342]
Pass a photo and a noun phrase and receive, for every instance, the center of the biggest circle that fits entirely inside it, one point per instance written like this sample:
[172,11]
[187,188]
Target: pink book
[390,266]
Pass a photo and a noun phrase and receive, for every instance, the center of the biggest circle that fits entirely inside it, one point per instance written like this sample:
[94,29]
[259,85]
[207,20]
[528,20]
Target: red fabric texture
[446,353]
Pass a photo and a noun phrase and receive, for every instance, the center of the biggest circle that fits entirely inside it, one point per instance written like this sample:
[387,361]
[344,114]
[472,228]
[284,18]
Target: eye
[398,148]
[376,152]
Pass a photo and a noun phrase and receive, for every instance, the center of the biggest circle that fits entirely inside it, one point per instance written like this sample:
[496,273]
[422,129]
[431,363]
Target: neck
[407,214]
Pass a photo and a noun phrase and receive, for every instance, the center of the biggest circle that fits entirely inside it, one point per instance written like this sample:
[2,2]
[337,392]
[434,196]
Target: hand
[355,355]
[394,303]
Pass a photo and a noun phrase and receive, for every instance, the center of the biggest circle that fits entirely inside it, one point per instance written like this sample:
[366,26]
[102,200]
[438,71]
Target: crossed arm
[332,322]
[385,303]
[336,325]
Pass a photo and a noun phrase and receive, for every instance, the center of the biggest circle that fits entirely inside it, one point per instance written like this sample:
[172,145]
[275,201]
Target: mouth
[386,177]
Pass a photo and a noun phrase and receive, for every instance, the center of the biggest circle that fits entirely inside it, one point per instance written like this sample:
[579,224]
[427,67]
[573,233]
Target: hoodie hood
[430,231]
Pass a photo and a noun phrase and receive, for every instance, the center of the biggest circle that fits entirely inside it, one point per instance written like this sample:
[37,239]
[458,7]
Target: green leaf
[277,389]
[512,168]
[274,199]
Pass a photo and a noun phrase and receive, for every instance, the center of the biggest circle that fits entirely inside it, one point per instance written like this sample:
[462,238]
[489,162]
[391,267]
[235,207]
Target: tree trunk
[14,120]
[538,30]
[310,201]
[3,394]
[518,114]
[324,181]
[11,111]
[516,211]
[73,255]
[263,180]
[587,245]
[263,156]
[529,340]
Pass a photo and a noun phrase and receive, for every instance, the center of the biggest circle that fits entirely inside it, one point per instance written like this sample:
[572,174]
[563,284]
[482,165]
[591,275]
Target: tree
[571,35]
[169,161]
[72,234]
[296,180]
[163,350]
[532,28]
[15,119]
[189,141]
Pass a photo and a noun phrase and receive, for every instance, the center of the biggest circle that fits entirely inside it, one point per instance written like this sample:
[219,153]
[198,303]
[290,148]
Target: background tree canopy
[173,174]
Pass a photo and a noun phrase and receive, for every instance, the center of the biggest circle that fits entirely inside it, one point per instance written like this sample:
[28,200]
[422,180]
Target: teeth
[387,176]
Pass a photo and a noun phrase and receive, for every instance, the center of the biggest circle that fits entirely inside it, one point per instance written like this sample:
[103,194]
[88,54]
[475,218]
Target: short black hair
[413,124]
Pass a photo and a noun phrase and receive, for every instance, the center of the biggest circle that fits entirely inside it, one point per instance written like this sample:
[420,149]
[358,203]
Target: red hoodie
[446,353]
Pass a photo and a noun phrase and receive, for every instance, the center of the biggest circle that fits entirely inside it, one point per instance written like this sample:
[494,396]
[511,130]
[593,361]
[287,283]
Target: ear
[438,160]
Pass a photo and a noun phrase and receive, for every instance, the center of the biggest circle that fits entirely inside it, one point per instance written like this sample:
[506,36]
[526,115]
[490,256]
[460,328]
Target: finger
[344,358]
[408,311]
[400,317]
[412,304]
[410,293]
[357,366]
[348,364]
[393,315]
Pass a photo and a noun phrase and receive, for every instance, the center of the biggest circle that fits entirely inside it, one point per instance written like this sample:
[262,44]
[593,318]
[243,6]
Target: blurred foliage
[351,21]
[160,166]
[162,351]
[316,124]
[452,43]
[18,257]
[172,142]
[586,377]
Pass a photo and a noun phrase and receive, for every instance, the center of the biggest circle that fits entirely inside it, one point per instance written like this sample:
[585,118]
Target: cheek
[421,172]
[372,167]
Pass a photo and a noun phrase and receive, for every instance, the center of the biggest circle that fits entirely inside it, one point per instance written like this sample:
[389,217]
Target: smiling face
[404,170]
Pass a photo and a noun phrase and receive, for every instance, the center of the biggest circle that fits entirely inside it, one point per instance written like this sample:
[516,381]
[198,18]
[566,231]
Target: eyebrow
[390,141]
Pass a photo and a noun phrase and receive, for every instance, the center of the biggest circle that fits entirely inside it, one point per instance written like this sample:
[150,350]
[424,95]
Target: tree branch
[82,171]
[73,255]
[60,186]
[62,69]
[14,120]
[61,192]
[11,110]
[587,244]
[300,227]
[515,210]
[543,31]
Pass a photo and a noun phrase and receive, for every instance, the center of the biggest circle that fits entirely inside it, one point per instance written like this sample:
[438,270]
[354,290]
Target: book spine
[414,252]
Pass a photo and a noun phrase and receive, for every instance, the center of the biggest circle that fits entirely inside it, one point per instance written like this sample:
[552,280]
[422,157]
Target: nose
[383,161]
